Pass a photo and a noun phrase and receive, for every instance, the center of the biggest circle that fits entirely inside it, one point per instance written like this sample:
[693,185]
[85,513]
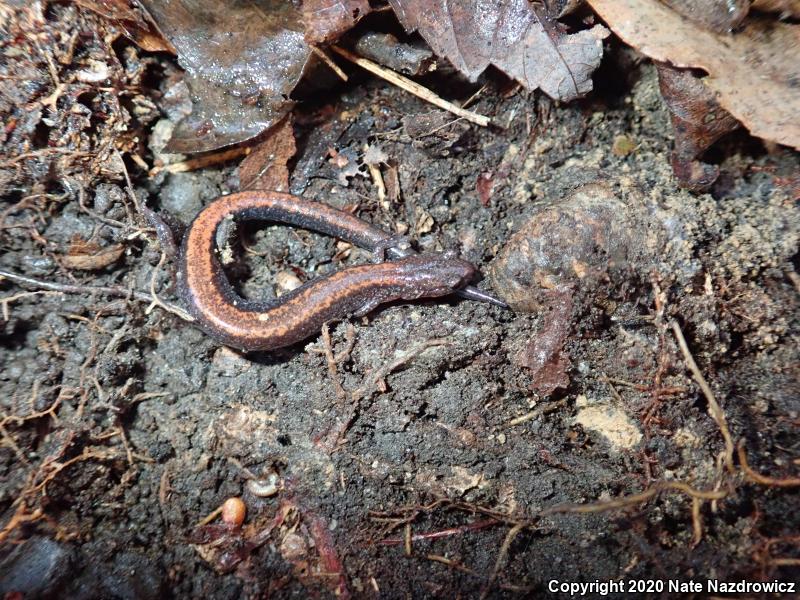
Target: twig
[405,357]
[604,378]
[501,557]
[323,56]
[714,408]
[156,301]
[201,162]
[4,302]
[66,288]
[94,214]
[633,499]
[697,521]
[128,185]
[435,535]
[464,569]
[210,517]
[331,360]
[19,517]
[541,410]
[763,479]
[412,87]
[377,179]
[350,342]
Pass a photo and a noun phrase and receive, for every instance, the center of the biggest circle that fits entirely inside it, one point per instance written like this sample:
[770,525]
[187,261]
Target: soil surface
[432,449]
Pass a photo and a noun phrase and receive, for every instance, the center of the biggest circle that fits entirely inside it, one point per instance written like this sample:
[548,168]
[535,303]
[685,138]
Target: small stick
[323,56]
[412,87]
[435,535]
[4,302]
[210,517]
[404,358]
[201,162]
[633,499]
[713,406]
[464,569]
[85,289]
[542,410]
[785,562]
[156,301]
[331,360]
[763,479]
[501,557]
[697,521]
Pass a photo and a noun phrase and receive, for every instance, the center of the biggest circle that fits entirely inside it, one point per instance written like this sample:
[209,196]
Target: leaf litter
[535,51]
[753,72]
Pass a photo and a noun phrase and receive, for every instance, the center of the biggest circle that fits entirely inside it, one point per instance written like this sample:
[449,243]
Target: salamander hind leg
[372,302]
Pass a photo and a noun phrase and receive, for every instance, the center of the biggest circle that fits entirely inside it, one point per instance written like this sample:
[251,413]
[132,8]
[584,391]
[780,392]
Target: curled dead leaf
[131,21]
[472,34]
[239,83]
[697,122]
[326,20]
[265,167]
[88,256]
[717,15]
[753,72]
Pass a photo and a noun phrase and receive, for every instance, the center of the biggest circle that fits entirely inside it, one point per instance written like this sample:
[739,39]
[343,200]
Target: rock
[36,568]
[582,242]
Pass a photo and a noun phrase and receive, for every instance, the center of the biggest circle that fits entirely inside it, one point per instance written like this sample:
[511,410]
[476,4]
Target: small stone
[623,146]
[580,242]
[35,568]
[285,282]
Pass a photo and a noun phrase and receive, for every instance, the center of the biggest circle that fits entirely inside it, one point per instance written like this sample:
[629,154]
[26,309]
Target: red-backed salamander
[356,290]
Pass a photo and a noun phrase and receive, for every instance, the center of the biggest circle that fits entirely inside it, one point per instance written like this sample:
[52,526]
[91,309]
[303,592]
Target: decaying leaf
[718,15]
[135,25]
[789,8]
[544,355]
[473,34]
[326,20]
[697,122]
[387,50]
[265,167]
[559,8]
[88,256]
[754,72]
[242,61]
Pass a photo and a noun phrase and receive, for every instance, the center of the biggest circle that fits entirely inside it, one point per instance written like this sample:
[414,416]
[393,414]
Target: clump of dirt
[433,448]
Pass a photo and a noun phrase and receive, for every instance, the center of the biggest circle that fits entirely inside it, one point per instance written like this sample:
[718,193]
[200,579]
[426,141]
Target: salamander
[355,290]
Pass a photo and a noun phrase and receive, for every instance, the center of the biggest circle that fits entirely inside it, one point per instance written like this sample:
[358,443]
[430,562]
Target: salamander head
[436,274]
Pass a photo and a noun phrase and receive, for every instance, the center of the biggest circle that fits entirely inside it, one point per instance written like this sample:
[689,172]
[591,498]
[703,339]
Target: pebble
[35,568]
[580,241]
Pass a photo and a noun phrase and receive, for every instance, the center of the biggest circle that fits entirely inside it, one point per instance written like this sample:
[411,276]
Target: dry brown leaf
[544,353]
[135,25]
[473,34]
[754,72]
[326,20]
[789,8]
[388,51]
[697,122]
[718,15]
[559,8]
[88,256]
[265,167]
[242,61]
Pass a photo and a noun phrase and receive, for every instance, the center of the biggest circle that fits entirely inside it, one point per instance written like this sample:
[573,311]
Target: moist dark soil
[442,448]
